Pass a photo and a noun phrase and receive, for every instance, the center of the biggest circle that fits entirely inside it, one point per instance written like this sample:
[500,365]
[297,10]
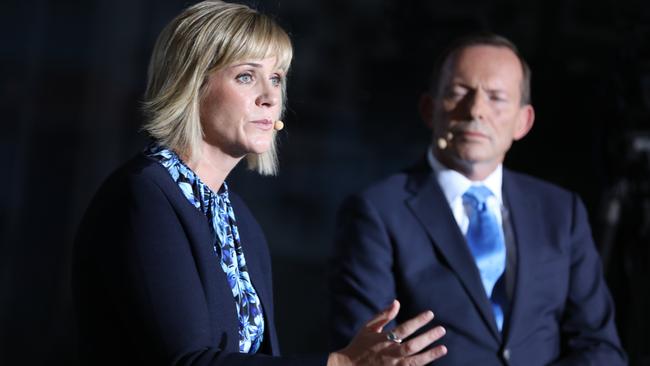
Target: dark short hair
[481,39]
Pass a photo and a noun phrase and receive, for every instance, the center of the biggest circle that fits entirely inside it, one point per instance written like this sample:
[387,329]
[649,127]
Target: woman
[170,266]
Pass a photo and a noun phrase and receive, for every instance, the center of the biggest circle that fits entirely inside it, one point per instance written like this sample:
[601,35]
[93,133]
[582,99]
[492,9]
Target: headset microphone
[443,142]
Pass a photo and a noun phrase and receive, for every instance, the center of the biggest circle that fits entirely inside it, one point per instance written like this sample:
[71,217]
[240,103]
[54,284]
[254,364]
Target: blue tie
[486,242]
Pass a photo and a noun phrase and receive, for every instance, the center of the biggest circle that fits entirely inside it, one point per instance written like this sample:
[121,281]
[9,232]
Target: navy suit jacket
[399,239]
[148,286]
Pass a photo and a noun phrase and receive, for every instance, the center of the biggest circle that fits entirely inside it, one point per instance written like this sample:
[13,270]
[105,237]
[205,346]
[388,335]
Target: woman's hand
[371,346]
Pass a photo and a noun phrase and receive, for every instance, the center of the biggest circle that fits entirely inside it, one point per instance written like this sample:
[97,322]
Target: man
[505,261]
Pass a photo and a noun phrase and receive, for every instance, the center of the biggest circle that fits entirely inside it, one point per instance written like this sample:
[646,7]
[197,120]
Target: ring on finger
[393,337]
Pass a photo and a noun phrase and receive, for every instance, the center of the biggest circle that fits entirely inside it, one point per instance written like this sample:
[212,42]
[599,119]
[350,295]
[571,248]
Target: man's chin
[464,160]
[471,152]
[465,155]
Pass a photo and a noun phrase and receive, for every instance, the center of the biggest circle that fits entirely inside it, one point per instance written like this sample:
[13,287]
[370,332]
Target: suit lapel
[525,221]
[430,207]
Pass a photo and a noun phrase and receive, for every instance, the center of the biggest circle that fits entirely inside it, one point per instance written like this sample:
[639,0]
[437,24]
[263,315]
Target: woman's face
[240,105]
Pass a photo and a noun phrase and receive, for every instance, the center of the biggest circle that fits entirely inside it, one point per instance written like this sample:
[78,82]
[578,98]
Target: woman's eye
[276,80]
[244,78]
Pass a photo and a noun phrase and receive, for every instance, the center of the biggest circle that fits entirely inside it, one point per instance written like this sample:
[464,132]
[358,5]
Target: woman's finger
[421,342]
[377,323]
[410,326]
[425,357]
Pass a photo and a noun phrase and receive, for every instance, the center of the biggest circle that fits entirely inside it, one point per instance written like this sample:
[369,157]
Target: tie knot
[477,195]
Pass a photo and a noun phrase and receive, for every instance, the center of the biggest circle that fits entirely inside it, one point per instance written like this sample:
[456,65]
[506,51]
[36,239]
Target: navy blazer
[399,239]
[147,283]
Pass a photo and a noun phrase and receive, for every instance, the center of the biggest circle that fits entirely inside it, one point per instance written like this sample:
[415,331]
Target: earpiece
[443,142]
[278,125]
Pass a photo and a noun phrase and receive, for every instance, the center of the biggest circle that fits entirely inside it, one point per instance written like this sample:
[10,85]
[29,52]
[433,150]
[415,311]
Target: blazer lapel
[255,251]
[259,279]
[431,208]
[525,222]
[223,313]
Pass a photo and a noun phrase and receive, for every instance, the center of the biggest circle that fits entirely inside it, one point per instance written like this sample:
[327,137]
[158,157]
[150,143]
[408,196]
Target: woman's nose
[269,96]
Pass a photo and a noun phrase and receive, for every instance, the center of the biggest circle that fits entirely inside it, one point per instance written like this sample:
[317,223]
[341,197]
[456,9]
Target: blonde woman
[170,266]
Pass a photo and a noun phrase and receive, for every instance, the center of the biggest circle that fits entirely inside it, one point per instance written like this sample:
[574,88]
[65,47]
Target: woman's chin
[260,146]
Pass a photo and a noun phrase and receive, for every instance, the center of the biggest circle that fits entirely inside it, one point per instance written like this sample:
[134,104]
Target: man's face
[480,106]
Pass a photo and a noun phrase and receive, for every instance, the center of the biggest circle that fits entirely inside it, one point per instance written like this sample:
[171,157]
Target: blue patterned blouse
[227,245]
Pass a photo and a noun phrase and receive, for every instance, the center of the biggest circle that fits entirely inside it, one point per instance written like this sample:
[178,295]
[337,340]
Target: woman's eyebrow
[253,64]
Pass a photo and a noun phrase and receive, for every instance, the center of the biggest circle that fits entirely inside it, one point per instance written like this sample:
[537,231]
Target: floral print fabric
[226,245]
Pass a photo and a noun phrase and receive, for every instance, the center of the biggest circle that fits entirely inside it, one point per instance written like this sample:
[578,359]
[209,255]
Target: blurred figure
[170,266]
[505,260]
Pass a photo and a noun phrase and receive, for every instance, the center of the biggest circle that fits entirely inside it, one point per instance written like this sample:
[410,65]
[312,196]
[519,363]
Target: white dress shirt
[454,185]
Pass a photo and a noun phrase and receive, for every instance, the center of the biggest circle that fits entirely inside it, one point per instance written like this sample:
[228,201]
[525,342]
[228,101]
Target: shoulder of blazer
[408,180]
[536,187]
[139,176]
[139,172]
[142,173]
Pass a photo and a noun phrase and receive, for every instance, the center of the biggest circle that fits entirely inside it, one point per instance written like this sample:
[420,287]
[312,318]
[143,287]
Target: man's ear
[426,106]
[525,122]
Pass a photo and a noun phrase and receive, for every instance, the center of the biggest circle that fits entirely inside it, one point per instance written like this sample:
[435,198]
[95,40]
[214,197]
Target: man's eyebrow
[496,90]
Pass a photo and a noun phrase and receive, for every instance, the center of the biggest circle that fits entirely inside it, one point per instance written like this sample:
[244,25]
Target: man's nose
[476,105]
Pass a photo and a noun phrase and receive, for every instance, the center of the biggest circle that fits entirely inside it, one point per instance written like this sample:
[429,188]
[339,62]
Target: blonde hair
[206,37]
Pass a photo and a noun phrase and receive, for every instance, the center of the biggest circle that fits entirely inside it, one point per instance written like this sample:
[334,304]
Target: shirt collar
[454,184]
[198,193]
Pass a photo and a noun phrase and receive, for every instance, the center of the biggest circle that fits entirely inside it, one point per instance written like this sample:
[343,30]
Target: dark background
[73,74]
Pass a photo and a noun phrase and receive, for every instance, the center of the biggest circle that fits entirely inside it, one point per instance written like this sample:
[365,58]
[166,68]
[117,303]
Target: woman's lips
[264,124]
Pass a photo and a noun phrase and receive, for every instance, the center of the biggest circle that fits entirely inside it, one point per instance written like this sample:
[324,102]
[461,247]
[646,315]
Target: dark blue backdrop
[73,73]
